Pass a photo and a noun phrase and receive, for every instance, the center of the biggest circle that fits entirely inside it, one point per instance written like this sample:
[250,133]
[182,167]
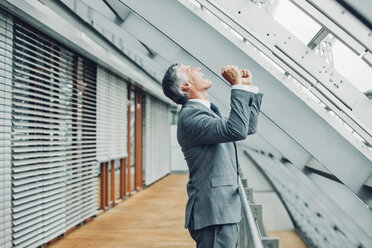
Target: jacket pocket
[223,181]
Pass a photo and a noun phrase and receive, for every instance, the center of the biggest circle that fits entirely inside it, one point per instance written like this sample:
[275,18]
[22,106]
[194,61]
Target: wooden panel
[103,186]
[112,182]
[122,178]
[106,185]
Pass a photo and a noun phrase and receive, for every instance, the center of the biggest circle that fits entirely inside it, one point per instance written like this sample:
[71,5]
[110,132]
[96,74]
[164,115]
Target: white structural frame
[349,103]
[255,49]
[208,48]
[332,27]
[347,24]
[358,166]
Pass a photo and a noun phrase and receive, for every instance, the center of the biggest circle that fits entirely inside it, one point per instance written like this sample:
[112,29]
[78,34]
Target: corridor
[153,218]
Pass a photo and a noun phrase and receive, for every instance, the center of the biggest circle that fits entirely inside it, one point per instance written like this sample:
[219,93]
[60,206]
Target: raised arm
[255,111]
[198,126]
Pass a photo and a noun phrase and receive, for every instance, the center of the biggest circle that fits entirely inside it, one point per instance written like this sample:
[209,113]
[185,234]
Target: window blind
[111,116]
[6,48]
[156,139]
[147,138]
[53,138]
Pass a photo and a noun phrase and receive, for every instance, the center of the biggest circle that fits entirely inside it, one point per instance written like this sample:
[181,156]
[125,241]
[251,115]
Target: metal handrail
[252,229]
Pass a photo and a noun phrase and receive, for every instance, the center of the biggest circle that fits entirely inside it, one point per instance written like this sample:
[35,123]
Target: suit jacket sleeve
[201,127]
[255,110]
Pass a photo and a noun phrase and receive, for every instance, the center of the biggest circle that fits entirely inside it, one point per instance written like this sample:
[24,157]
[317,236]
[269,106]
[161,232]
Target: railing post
[269,242]
[252,233]
[251,229]
[244,182]
[249,193]
[257,213]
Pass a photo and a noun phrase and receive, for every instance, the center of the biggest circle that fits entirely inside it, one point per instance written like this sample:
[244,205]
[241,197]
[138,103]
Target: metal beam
[281,144]
[327,23]
[213,50]
[315,41]
[266,34]
[269,60]
[271,63]
[345,20]
[361,9]
[114,6]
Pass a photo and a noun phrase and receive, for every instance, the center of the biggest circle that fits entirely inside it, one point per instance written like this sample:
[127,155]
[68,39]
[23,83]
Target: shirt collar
[202,101]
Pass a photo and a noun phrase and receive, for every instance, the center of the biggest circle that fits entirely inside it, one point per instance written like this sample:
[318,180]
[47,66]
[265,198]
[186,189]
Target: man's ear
[186,86]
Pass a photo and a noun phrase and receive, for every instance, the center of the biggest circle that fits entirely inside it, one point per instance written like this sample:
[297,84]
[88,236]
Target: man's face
[196,77]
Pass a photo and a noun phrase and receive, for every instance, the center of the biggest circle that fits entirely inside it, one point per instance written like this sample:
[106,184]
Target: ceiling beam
[203,42]
[116,8]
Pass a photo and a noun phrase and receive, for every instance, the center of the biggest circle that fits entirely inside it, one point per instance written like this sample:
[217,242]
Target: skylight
[352,67]
[295,20]
[345,61]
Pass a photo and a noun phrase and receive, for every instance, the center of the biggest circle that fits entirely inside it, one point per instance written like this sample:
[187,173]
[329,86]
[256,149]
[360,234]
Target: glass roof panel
[352,67]
[346,62]
[289,16]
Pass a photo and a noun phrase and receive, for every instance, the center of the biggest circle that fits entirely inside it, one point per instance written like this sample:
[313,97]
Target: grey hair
[172,82]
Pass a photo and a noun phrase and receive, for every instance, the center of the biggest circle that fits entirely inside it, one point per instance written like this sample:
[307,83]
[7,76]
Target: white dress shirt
[252,88]
[245,87]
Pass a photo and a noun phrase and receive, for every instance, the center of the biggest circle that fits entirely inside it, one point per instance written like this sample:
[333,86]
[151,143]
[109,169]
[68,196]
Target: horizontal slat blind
[82,188]
[156,139]
[6,51]
[118,117]
[147,138]
[53,138]
[111,116]
[103,115]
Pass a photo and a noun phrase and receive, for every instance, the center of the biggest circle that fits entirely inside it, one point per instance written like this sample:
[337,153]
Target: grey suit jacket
[207,144]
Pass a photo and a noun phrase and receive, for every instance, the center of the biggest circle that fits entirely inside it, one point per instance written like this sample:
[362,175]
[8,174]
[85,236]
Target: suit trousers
[215,236]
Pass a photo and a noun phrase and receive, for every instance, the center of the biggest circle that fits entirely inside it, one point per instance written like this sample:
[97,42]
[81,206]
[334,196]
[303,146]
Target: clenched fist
[246,77]
[235,76]
[232,74]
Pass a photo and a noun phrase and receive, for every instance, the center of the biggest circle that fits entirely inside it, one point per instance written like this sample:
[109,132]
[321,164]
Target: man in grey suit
[213,210]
